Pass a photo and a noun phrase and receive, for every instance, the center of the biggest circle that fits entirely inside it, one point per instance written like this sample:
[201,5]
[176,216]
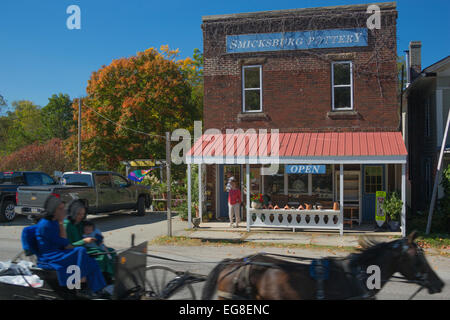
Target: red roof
[301,144]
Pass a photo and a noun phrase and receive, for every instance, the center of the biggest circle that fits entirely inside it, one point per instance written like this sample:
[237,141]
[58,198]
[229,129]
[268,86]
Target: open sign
[305,169]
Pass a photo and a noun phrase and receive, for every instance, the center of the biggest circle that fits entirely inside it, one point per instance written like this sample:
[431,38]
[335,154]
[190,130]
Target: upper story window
[252,88]
[342,85]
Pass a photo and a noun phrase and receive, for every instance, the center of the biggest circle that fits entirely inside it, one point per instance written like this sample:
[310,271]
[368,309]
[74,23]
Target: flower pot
[335,206]
[256,205]
[196,222]
[394,226]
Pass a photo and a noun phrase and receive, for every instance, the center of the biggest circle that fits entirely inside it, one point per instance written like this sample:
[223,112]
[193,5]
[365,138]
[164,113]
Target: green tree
[25,125]
[2,101]
[57,117]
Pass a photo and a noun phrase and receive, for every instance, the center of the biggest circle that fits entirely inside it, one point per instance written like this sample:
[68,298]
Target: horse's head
[414,266]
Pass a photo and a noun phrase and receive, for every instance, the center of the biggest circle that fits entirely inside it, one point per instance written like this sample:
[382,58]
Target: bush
[47,157]
[182,209]
[392,206]
[441,217]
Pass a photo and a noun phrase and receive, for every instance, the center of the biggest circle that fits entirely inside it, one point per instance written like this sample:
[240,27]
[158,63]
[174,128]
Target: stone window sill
[253,116]
[344,115]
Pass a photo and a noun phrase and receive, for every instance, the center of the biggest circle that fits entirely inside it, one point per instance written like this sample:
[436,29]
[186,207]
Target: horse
[265,277]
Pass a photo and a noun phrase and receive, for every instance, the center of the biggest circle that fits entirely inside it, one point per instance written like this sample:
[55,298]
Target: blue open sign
[305,169]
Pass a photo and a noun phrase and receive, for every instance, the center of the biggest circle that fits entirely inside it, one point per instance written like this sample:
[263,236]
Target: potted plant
[392,207]
[257,201]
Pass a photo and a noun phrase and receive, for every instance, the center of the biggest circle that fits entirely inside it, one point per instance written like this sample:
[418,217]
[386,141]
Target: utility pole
[169,192]
[79,134]
[438,175]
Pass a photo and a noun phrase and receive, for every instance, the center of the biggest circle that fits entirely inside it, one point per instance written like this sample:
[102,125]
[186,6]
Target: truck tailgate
[33,196]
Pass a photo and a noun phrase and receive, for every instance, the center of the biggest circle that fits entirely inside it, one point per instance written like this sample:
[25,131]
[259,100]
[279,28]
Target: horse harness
[319,270]
[242,276]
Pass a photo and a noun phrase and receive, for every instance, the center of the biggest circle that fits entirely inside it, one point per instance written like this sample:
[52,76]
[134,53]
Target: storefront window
[322,184]
[298,183]
[275,184]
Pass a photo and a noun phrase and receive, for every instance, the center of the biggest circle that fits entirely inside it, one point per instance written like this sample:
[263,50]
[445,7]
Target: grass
[436,241]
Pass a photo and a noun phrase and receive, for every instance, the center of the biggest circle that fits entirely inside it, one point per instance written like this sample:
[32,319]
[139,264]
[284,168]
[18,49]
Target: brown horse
[265,277]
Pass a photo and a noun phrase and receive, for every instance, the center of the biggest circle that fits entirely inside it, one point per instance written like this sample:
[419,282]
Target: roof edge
[299,11]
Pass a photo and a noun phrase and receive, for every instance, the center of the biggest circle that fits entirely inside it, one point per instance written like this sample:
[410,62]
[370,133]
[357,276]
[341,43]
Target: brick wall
[297,84]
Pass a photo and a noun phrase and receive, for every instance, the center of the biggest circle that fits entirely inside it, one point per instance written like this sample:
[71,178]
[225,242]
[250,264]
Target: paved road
[118,228]
[392,291]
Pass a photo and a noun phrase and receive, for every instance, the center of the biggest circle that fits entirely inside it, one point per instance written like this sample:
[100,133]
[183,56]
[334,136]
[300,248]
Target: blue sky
[39,56]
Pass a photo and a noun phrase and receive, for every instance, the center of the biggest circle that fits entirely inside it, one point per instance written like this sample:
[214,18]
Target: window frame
[254,89]
[342,86]
[120,177]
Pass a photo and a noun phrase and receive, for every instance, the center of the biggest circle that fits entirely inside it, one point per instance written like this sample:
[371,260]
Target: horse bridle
[421,278]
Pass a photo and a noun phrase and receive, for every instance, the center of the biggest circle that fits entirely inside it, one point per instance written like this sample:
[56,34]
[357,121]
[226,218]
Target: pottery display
[335,206]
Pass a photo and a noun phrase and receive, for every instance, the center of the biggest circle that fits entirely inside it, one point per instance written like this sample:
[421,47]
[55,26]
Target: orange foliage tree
[150,92]
[47,157]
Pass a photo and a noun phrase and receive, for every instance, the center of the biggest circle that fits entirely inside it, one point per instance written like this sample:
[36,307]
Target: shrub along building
[324,86]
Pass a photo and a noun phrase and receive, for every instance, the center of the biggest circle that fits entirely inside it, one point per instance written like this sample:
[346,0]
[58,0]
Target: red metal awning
[300,147]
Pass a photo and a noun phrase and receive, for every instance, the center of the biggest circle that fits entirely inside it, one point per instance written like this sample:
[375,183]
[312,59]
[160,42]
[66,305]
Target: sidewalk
[221,231]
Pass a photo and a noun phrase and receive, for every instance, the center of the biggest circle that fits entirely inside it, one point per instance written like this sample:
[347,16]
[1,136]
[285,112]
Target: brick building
[326,83]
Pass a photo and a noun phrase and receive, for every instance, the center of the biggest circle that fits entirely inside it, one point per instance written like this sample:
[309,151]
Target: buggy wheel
[164,283]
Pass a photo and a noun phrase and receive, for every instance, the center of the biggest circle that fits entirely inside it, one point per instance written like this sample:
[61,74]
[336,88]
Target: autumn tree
[130,105]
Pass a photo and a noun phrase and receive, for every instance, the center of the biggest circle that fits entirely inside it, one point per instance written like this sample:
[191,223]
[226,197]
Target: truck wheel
[7,213]
[141,206]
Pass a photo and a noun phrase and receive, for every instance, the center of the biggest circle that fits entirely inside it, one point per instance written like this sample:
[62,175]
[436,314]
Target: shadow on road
[18,221]
[116,221]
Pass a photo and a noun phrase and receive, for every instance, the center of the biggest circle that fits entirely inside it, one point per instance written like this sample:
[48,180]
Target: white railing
[297,219]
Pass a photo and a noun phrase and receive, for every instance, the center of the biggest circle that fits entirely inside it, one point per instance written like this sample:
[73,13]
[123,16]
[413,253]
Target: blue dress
[53,256]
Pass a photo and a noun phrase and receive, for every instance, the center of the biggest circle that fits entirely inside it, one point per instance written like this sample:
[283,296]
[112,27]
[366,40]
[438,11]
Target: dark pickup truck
[98,191]
[10,181]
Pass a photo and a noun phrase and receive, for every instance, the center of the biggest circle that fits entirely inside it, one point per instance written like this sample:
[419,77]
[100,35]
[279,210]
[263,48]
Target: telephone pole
[79,134]
[169,192]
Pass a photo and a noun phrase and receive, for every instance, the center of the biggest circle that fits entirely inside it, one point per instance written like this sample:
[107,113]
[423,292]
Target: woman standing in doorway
[234,204]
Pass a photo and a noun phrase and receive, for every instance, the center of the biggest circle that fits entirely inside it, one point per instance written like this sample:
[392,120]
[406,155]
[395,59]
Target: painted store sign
[299,40]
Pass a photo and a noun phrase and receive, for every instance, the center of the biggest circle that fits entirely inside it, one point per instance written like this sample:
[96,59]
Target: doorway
[225,172]
[372,181]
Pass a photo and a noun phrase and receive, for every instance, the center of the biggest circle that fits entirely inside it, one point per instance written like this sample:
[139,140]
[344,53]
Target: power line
[124,127]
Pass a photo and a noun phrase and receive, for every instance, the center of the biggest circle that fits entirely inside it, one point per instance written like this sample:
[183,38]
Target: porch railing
[297,219]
